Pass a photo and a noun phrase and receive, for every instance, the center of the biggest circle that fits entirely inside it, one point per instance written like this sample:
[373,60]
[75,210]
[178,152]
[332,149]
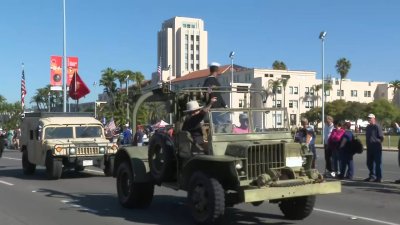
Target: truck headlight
[72,151]
[238,165]
[102,150]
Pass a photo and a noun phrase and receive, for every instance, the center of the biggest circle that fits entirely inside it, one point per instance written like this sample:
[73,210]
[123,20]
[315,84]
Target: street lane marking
[355,216]
[12,158]
[4,182]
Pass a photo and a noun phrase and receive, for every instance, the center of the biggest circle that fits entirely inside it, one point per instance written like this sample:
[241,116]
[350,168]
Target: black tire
[109,167]
[79,168]
[161,158]
[206,198]
[297,208]
[27,167]
[53,167]
[131,194]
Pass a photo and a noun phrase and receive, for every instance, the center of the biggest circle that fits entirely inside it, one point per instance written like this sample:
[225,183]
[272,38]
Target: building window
[192,37]
[241,103]
[293,104]
[338,93]
[309,104]
[290,90]
[353,93]
[197,37]
[278,103]
[307,91]
[295,90]
[192,66]
[327,93]
[367,93]
[278,119]
[197,47]
[279,90]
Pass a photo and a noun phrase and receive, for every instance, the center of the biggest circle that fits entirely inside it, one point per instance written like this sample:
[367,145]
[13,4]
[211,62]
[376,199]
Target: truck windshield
[88,131]
[58,132]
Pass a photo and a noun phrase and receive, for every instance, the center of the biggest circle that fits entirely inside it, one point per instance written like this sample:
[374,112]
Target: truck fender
[138,164]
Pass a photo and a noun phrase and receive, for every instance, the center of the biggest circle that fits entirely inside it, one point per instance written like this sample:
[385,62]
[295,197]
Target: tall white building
[182,47]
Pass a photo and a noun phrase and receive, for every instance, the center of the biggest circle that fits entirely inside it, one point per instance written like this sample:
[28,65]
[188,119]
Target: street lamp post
[127,98]
[48,96]
[231,55]
[322,36]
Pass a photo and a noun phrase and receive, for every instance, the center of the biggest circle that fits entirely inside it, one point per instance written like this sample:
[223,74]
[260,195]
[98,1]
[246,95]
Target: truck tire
[109,167]
[161,158]
[53,167]
[79,168]
[297,208]
[131,194]
[27,167]
[206,198]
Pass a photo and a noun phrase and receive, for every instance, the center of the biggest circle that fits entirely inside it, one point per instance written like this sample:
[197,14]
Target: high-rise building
[182,47]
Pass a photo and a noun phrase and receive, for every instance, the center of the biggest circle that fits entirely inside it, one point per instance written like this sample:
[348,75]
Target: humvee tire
[53,167]
[206,199]
[161,158]
[79,168]
[131,194]
[109,167]
[297,208]
[27,167]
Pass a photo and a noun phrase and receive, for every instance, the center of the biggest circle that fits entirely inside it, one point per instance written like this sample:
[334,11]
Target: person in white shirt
[328,152]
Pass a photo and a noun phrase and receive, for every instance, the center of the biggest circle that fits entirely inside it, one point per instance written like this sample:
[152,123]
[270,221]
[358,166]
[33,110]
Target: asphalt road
[90,198]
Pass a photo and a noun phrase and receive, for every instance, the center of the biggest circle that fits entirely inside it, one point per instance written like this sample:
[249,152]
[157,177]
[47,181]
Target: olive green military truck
[252,165]
[61,141]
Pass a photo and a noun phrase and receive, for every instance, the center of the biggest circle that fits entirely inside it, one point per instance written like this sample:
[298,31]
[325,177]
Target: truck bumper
[273,193]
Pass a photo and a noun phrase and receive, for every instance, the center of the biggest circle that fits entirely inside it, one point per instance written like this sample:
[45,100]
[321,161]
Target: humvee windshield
[67,132]
[239,121]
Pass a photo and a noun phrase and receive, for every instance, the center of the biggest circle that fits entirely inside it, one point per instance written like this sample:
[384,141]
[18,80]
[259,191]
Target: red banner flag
[72,67]
[77,88]
[56,71]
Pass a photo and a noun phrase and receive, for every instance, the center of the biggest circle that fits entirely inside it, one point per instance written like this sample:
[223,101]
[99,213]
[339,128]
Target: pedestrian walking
[346,153]
[333,145]
[127,134]
[374,139]
[328,152]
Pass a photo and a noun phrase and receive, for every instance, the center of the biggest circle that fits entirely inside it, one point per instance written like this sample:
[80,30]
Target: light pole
[127,98]
[48,96]
[231,55]
[322,36]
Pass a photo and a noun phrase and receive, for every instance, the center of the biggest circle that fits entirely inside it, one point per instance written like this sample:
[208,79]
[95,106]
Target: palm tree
[284,82]
[274,85]
[138,77]
[395,84]
[316,89]
[107,80]
[342,67]
[279,65]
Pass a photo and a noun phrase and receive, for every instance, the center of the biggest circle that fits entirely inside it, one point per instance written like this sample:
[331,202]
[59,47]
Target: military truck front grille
[260,158]
[87,150]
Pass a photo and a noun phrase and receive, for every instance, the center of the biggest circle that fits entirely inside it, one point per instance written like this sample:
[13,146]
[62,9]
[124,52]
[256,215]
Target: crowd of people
[339,148]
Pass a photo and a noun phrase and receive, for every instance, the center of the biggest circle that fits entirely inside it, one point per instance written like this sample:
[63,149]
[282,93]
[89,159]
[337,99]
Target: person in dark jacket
[346,154]
[211,83]
[374,138]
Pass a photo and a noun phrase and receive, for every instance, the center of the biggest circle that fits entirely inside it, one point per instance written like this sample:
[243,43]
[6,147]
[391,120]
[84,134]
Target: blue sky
[121,34]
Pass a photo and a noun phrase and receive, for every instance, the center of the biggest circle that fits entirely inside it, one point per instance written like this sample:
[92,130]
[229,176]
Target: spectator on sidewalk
[328,152]
[346,153]
[374,139]
[333,145]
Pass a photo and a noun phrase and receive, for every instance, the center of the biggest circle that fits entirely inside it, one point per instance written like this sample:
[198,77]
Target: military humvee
[261,164]
[61,141]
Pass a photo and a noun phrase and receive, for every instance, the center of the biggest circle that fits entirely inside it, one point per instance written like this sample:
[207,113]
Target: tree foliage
[279,65]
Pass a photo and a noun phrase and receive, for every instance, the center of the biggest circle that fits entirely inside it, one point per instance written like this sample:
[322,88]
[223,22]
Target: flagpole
[65,62]
[23,92]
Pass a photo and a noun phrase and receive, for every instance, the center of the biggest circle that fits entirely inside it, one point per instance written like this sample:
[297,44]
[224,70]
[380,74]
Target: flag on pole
[23,88]
[77,88]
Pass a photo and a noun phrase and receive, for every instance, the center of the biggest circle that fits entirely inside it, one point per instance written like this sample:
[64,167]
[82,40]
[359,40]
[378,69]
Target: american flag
[23,88]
